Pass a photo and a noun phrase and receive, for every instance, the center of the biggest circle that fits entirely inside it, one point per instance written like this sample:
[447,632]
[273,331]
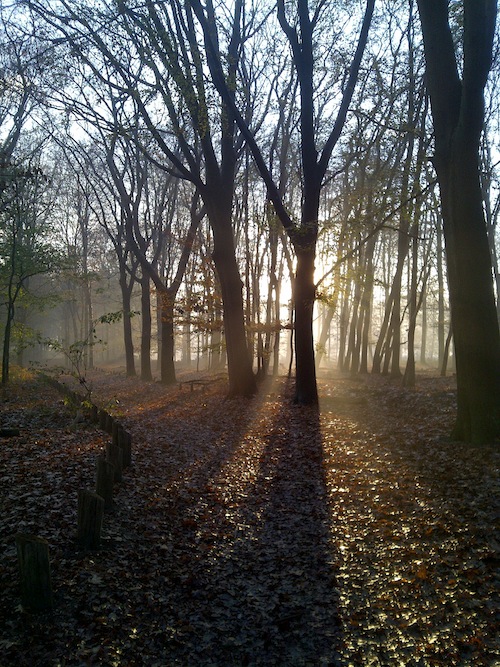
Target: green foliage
[117,316]
[75,353]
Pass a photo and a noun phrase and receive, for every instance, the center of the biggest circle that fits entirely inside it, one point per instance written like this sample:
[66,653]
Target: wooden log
[90,515]
[114,455]
[126,445]
[105,477]
[34,572]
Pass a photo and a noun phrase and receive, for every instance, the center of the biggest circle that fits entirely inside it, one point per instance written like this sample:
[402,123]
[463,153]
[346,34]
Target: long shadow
[263,590]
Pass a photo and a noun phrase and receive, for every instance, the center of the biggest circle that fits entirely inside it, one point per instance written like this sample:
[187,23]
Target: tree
[16,98]
[161,68]
[299,25]
[26,249]
[94,187]
[457,103]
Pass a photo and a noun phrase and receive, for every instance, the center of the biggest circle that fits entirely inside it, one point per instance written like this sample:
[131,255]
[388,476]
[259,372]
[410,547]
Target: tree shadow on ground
[263,590]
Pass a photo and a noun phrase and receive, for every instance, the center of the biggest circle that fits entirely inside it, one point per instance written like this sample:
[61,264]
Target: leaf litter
[255,532]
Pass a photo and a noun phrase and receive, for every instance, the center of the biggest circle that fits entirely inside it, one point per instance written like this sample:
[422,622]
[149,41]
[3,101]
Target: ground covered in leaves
[255,532]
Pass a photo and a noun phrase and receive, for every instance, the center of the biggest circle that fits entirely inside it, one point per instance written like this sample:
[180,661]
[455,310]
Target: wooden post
[109,423]
[90,514]
[103,415]
[125,442]
[94,413]
[34,571]
[115,433]
[114,455]
[105,477]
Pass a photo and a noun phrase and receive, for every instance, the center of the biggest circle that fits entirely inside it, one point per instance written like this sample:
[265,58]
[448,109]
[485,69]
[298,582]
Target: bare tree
[299,29]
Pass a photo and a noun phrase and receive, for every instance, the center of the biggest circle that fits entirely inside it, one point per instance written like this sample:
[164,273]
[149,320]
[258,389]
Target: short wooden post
[94,413]
[103,415]
[114,455]
[109,423]
[115,433]
[125,442]
[90,515]
[105,476]
[34,571]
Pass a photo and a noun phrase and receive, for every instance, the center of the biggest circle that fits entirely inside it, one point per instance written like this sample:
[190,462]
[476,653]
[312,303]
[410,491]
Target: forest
[262,237]
[254,186]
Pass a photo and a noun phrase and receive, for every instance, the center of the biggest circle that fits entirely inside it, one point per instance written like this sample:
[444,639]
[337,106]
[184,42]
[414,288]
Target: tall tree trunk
[306,392]
[423,340]
[366,305]
[344,320]
[6,342]
[409,376]
[217,356]
[146,373]
[167,367]
[441,306]
[458,115]
[126,290]
[325,331]
[352,356]
[241,377]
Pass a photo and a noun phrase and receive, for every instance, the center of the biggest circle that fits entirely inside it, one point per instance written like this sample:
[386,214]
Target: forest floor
[253,531]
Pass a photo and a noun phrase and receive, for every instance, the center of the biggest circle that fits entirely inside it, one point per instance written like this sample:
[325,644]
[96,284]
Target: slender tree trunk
[336,289]
[423,340]
[446,352]
[88,324]
[384,333]
[6,343]
[344,322]
[441,307]
[126,290]
[277,335]
[409,376]
[216,341]
[325,332]
[352,356]
[146,373]
[366,306]
[167,368]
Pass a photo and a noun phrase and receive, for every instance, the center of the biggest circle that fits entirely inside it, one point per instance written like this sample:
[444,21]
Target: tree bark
[241,377]
[146,373]
[458,115]
[306,392]
[126,290]
[167,300]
